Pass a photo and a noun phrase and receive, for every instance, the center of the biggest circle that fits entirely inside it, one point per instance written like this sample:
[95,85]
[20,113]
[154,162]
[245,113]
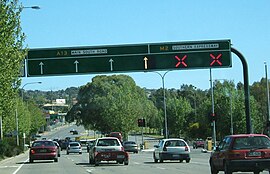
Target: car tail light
[33,151]
[234,155]
[186,148]
[122,149]
[95,151]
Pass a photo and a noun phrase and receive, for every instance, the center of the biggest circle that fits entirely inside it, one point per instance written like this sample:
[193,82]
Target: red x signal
[215,59]
[181,61]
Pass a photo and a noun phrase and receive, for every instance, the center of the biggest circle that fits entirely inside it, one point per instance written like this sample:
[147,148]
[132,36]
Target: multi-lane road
[75,163]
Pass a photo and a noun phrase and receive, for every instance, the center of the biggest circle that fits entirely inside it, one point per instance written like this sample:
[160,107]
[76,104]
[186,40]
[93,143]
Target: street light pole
[26,85]
[164,102]
[16,112]
[213,108]
[35,7]
[268,103]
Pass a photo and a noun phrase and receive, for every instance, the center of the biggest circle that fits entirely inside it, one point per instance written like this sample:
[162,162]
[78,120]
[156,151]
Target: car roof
[170,139]
[246,135]
[103,138]
[74,142]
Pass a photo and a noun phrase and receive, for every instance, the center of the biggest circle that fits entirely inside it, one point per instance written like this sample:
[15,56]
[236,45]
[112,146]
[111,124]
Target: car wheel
[96,162]
[91,161]
[257,172]
[126,162]
[180,160]
[213,169]
[55,159]
[155,159]
[80,153]
[187,160]
[160,158]
[227,169]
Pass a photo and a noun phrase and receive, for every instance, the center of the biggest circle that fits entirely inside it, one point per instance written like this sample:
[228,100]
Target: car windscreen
[43,143]
[74,144]
[255,142]
[175,143]
[108,142]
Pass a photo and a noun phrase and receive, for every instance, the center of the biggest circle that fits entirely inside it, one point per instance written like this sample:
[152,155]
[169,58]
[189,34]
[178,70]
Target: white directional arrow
[111,64]
[41,67]
[145,63]
[76,65]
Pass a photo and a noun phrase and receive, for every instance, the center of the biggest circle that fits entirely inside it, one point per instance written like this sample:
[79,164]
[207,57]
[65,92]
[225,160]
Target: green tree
[112,103]
[178,110]
[12,54]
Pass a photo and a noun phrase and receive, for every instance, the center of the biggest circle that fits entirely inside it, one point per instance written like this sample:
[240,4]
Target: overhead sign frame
[129,58]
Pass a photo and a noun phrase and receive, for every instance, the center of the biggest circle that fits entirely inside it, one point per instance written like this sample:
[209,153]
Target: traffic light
[141,122]
[212,116]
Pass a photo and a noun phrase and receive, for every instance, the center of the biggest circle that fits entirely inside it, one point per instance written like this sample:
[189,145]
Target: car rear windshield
[255,142]
[108,142]
[129,142]
[74,144]
[175,143]
[43,143]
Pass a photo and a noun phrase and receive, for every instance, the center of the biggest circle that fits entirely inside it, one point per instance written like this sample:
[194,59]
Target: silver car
[74,147]
[172,149]
[130,146]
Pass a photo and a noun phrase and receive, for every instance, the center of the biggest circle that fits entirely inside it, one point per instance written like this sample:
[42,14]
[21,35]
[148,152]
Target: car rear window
[108,142]
[258,142]
[130,142]
[74,144]
[43,143]
[175,143]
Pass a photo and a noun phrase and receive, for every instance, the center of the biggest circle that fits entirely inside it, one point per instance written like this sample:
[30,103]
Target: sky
[76,23]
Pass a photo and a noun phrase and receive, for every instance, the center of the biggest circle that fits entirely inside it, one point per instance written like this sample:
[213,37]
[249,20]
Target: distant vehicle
[58,148]
[90,144]
[83,143]
[74,147]
[117,135]
[131,146]
[198,143]
[74,132]
[108,149]
[43,150]
[63,144]
[172,149]
[243,152]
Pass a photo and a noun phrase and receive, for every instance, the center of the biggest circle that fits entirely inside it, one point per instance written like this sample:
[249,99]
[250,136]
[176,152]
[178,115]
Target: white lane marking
[1,167]
[161,168]
[89,170]
[20,167]
[136,163]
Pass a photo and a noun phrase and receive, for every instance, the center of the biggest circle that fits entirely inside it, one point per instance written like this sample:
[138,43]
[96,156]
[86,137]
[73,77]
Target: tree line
[115,103]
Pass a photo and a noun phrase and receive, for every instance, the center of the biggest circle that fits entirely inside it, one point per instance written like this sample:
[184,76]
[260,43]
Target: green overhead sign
[128,58]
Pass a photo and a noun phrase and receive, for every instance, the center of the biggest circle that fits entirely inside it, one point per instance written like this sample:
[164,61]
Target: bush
[8,147]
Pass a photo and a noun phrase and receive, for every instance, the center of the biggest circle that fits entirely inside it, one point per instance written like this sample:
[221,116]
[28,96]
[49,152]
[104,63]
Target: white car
[74,147]
[108,149]
[172,149]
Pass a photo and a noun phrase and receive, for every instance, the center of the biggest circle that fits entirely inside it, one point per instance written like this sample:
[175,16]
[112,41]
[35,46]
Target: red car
[108,149]
[117,135]
[43,150]
[243,152]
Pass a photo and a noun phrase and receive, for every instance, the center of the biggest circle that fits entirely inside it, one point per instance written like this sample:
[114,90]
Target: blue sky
[73,23]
